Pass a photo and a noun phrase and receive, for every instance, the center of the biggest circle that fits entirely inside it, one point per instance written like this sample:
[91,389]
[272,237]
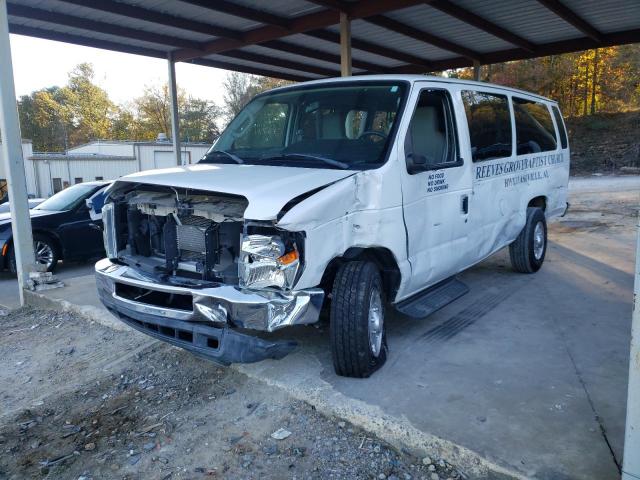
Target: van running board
[433,298]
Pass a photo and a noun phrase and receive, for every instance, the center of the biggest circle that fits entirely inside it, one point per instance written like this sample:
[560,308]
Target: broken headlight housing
[268,261]
[109,230]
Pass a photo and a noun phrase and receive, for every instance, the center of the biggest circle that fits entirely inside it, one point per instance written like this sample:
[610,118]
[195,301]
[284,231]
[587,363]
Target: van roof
[416,78]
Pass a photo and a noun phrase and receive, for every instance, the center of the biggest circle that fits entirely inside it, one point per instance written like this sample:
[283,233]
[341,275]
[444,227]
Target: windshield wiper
[304,156]
[233,157]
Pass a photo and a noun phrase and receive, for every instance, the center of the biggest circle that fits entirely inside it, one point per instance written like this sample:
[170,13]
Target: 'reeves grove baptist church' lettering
[483,172]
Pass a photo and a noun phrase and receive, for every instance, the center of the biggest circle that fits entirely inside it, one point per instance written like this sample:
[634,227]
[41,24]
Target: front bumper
[204,324]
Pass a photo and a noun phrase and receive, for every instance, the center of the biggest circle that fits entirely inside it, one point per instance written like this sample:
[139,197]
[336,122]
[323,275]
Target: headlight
[109,230]
[265,261]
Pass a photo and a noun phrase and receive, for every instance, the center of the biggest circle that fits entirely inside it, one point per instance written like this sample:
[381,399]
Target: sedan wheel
[44,254]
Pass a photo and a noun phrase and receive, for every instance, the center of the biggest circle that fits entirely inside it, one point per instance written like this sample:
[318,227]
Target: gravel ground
[80,401]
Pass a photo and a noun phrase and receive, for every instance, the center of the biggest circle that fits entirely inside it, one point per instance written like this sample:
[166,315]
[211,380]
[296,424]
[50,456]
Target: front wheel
[358,340]
[45,250]
[527,252]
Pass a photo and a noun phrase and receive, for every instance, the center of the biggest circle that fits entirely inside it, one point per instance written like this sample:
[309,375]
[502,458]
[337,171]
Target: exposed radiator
[191,234]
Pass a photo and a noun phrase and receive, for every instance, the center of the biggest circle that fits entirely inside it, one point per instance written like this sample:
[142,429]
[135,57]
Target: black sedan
[62,226]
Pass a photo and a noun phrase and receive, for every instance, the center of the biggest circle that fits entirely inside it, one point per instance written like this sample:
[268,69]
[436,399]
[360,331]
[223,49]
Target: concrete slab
[9,287]
[525,376]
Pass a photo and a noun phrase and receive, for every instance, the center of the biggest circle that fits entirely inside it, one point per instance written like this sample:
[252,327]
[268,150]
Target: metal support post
[345,45]
[13,161]
[175,118]
[476,70]
[631,461]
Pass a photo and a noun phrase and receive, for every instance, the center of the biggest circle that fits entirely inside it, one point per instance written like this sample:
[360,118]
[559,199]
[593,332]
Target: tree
[198,120]
[56,118]
[240,88]
[44,120]
[601,80]
[152,112]
[86,106]
[124,125]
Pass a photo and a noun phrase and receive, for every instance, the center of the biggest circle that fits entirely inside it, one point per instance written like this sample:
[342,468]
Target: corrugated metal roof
[299,39]
[438,23]
[608,17]
[526,18]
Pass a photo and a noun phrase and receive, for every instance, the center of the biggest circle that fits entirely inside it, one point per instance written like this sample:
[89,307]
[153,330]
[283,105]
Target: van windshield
[346,126]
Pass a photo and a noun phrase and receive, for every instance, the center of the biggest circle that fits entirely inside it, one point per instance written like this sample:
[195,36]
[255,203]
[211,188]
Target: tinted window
[431,139]
[534,127]
[561,129]
[489,124]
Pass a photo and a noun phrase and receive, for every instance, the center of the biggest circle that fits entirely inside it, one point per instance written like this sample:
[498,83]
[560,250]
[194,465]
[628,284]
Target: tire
[40,244]
[358,347]
[527,252]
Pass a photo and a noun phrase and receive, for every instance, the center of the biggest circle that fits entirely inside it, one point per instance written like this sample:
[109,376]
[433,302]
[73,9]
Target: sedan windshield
[328,126]
[69,198]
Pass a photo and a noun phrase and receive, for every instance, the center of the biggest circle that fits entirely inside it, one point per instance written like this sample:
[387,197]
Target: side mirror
[416,162]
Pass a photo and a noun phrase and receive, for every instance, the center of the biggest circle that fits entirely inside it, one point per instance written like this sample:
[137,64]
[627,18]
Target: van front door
[436,190]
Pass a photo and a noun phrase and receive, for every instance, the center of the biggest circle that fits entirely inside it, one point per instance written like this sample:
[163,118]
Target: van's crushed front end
[186,267]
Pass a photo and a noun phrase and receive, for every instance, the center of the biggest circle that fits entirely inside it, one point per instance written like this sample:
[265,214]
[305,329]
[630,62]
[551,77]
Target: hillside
[605,142]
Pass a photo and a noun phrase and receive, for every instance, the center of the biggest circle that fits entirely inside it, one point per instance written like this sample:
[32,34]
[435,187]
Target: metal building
[48,173]
[27,151]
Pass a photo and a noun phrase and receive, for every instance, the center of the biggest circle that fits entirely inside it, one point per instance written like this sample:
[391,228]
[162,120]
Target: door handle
[464,204]
[95,226]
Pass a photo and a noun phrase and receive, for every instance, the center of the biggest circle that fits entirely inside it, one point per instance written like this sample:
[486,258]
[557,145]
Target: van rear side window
[561,128]
[489,124]
[534,127]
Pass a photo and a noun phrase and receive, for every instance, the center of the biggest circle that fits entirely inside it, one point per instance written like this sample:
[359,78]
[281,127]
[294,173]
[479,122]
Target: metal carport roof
[299,39]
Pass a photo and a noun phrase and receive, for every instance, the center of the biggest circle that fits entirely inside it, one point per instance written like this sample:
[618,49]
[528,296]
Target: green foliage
[58,118]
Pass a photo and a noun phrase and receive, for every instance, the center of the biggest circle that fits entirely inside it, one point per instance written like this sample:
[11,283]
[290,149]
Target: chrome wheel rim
[44,253]
[538,241]
[375,322]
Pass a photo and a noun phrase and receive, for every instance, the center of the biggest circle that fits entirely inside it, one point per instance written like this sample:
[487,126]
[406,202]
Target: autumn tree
[56,118]
[85,108]
[599,80]
[152,112]
[44,120]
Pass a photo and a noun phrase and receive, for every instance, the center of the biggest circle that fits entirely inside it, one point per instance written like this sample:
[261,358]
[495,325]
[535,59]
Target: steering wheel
[372,132]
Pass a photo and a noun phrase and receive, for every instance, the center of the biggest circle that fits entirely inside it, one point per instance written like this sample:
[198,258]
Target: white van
[354,194]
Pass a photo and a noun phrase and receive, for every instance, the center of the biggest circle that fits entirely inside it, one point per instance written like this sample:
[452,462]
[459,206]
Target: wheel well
[380,256]
[540,202]
[54,239]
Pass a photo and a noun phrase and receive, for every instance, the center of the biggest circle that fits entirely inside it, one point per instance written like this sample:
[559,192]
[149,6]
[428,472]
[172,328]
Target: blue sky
[41,63]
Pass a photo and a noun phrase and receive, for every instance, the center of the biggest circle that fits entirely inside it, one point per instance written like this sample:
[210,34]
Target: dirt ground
[80,401]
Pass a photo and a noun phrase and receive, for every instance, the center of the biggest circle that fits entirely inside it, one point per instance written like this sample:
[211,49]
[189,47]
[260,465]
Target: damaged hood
[267,188]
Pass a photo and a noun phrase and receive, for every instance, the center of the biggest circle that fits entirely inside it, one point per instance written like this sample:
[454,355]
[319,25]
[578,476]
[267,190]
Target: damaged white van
[357,194]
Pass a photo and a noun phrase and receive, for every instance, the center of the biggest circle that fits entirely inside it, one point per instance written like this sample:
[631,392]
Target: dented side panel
[364,210]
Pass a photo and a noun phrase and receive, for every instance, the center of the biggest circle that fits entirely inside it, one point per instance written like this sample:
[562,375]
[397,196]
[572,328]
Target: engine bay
[180,232]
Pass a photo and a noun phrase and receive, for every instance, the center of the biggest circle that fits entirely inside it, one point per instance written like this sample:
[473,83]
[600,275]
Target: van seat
[427,135]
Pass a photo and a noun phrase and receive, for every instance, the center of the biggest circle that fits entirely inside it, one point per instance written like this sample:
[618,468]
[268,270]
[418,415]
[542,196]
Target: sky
[41,63]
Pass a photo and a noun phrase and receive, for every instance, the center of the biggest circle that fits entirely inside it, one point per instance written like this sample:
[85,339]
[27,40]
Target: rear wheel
[45,250]
[527,252]
[358,340]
